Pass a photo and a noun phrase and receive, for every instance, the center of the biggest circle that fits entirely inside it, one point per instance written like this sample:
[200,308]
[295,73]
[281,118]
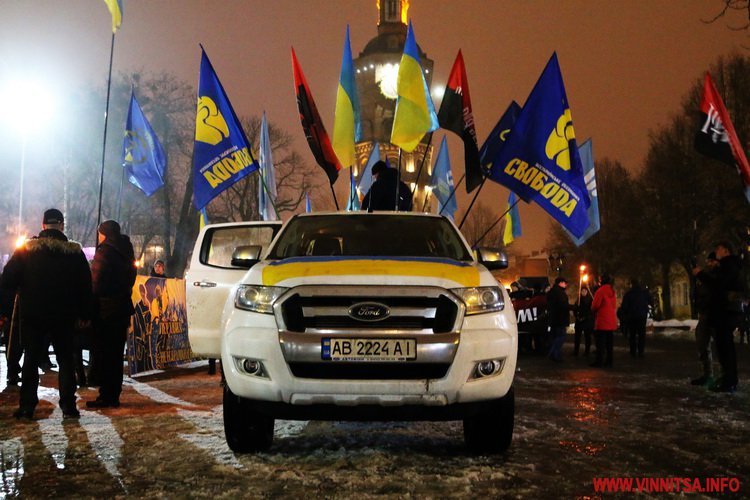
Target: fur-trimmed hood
[53,244]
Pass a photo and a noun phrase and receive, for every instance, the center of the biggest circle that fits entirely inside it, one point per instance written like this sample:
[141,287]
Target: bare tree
[729,8]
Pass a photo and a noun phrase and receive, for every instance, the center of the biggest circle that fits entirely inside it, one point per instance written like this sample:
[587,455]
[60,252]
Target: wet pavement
[639,419]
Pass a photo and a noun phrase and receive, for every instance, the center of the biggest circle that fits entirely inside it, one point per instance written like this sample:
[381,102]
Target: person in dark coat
[725,311]
[52,279]
[634,311]
[703,330]
[584,326]
[113,275]
[604,308]
[382,193]
[558,317]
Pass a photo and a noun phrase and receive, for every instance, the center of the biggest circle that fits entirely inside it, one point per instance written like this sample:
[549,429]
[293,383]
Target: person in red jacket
[605,323]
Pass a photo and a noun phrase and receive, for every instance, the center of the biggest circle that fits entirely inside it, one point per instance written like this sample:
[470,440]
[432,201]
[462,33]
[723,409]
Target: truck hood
[337,270]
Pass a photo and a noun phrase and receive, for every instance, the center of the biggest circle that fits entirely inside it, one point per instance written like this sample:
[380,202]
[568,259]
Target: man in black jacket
[113,273]
[634,311]
[382,193]
[558,317]
[724,311]
[51,276]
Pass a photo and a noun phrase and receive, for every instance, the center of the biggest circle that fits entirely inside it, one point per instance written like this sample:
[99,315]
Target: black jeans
[582,328]
[35,339]
[725,351]
[111,335]
[604,347]
[637,333]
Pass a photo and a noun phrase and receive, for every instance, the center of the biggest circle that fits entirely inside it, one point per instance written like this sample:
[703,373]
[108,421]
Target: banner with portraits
[159,337]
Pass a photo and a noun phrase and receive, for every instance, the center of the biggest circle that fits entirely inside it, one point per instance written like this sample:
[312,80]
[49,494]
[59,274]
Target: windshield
[370,235]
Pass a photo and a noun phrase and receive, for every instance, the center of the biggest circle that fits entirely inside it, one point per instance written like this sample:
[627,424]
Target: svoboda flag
[540,160]
[221,154]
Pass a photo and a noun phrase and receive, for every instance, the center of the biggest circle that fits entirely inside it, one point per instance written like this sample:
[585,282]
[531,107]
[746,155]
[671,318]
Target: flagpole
[119,194]
[334,198]
[106,119]
[398,179]
[262,181]
[496,222]
[476,195]
[453,193]
[353,193]
[424,156]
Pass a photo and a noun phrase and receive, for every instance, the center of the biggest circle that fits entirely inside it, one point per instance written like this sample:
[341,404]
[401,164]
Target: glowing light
[585,278]
[438,91]
[20,241]
[29,104]
[386,75]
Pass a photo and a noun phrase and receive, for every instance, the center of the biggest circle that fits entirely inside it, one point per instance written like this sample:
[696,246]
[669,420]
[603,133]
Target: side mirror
[246,256]
[492,258]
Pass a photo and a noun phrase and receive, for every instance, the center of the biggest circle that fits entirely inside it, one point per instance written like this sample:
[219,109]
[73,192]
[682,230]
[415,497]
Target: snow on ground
[641,418]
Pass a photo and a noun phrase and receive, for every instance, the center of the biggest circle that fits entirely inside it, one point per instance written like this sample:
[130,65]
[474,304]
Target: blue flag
[540,160]
[589,175]
[143,156]
[496,140]
[365,180]
[353,203]
[267,178]
[442,182]
[221,154]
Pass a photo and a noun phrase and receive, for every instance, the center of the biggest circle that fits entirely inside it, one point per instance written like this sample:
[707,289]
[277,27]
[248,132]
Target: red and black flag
[716,137]
[315,132]
[455,115]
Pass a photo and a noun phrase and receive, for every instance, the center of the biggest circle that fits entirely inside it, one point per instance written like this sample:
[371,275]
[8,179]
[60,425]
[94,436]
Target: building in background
[376,72]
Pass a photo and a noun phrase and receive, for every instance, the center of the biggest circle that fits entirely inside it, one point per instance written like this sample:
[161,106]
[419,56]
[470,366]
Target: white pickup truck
[354,316]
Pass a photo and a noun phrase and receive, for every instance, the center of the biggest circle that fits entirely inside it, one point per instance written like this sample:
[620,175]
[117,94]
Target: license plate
[363,349]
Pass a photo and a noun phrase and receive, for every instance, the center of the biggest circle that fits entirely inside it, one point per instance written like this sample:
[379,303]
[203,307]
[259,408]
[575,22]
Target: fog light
[251,366]
[486,368]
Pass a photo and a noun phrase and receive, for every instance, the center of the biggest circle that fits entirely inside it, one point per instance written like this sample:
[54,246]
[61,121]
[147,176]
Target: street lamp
[29,105]
[582,278]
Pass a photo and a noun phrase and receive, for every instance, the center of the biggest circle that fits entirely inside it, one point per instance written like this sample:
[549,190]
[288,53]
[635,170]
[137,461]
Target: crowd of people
[720,300]
[49,293]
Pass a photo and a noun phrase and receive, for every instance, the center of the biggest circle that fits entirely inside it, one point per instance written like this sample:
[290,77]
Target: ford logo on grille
[369,311]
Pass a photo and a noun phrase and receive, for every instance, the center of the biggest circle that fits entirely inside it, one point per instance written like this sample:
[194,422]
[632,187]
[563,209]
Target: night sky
[626,64]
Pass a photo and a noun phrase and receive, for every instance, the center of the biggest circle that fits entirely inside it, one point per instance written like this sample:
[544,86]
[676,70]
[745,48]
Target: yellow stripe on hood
[302,267]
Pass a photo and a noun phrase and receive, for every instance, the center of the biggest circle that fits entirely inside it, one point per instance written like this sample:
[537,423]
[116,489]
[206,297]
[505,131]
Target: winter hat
[379,167]
[53,216]
[109,228]
[711,256]
[560,280]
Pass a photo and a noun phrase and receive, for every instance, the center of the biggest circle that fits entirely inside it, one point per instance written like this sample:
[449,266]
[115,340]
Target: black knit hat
[109,228]
[53,216]
[560,279]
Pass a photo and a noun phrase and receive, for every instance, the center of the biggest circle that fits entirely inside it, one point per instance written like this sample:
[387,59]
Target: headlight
[481,299]
[257,298]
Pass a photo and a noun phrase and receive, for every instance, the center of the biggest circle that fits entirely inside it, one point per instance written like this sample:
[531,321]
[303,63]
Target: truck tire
[491,431]
[246,430]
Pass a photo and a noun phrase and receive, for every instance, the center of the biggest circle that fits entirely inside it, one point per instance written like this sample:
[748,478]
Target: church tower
[376,73]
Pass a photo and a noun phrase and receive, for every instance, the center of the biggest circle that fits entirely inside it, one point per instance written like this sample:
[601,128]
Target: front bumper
[256,337]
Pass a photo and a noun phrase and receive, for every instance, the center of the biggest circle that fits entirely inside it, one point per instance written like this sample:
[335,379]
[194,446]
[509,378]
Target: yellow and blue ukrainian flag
[347,128]
[415,114]
[115,8]
[512,220]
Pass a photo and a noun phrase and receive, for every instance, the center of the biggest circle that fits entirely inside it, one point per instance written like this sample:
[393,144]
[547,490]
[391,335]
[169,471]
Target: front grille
[307,310]
[369,371]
